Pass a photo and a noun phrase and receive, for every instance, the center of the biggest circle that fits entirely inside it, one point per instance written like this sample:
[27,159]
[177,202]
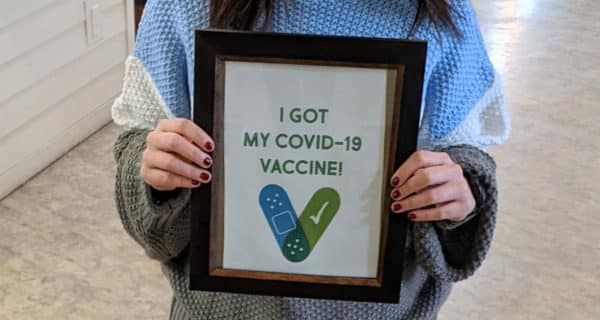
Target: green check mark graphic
[317,218]
[318,213]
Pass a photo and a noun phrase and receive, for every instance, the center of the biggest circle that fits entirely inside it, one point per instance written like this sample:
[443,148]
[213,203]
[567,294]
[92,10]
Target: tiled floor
[64,254]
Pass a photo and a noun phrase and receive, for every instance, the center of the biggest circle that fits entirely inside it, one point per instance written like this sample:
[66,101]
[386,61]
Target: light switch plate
[94,21]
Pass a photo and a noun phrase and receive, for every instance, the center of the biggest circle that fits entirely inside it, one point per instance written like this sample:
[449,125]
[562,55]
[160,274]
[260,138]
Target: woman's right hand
[177,156]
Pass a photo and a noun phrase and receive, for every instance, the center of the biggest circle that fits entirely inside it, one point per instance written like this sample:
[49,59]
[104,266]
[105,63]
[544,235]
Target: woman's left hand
[429,186]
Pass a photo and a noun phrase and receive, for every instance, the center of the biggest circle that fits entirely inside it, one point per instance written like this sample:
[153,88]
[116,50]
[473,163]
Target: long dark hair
[245,14]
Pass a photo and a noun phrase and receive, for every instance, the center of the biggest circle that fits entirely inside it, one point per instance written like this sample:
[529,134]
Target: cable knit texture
[463,114]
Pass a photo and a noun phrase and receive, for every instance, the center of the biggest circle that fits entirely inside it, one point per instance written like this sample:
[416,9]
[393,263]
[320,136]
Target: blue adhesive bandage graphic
[278,210]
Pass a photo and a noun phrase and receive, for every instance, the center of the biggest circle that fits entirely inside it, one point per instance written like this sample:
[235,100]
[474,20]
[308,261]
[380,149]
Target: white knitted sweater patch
[487,124]
[140,105]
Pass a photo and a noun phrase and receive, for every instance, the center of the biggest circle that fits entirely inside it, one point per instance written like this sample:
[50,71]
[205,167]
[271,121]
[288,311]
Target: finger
[428,177]
[174,143]
[435,195]
[173,164]
[165,181]
[450,211]
[418,160]
[189,130]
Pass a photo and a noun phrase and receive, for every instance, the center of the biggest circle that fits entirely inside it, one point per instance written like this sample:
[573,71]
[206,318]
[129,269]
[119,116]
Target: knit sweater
[463,100]
[463,114]
[436,255]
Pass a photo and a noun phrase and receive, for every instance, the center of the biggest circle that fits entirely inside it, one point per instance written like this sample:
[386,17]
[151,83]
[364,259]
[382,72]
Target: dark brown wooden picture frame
[404,60]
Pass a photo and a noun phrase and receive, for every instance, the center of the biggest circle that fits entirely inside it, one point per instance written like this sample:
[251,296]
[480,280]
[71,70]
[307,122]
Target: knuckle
[190,171]
[427,176]
[471,204]
[464,185]
[431,196]
[443,213]
[458,169]
[143,172]
[464,207]
[174,181]
[161,124]
[173,142]
[150,137]
[446,157]
[403,190]
[145,155]
[420,155]
[170,163]
[182,124]
[163,179]
[423,200]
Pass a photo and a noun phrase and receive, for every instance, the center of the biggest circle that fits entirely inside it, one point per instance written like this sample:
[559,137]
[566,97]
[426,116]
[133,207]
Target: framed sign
[308,131]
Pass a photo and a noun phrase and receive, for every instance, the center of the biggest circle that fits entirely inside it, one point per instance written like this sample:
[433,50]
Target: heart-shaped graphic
[295,236]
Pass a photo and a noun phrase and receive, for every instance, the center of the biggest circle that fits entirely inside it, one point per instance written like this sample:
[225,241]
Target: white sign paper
[304,155]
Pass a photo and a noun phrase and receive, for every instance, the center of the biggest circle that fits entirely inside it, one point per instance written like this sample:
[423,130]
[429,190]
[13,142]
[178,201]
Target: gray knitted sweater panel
[437,254]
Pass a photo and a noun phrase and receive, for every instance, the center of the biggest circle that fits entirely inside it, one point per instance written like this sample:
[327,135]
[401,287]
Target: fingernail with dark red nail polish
[207,162]
[195,182]
[412,216]
[208,146]
[395,181]
[396,207]
[395,194]
[204,176]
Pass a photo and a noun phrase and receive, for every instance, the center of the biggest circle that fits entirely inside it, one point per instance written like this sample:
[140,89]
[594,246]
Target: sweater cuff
[472,174]
[452,252]
[166,202]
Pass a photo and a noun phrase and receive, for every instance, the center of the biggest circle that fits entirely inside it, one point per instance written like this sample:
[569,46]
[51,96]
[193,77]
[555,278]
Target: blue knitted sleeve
[460,78]
[161,48]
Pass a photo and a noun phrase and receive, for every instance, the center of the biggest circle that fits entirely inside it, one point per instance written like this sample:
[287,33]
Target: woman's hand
[176,156]
[429,186]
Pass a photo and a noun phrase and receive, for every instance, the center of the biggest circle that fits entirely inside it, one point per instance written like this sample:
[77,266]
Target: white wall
[61,65]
